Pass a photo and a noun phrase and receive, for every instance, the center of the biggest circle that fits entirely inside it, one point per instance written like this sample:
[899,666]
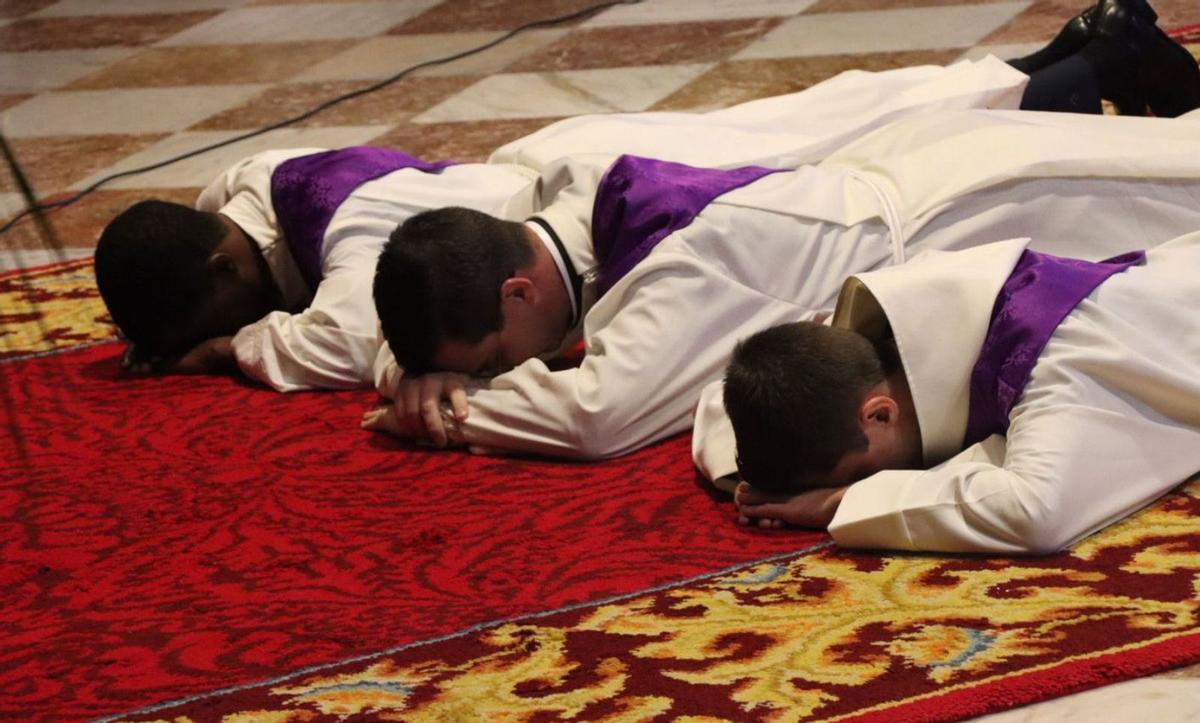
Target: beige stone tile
[48,69]
[10,205]
[1006,51]
[919,28]
[94,31]
[393,104]
[161,67]
[534,95]
[849,6]
[11,259]
[79,225]
[1145,699]
[311,2]
[514,95]
[74,8]
[19,8]
[127,110]
[454,16]
[676,43]
[201,169]
[8,100]
[282,23]
[384,56]
[633,89]
[683,11]
[53,164]
[1039,22]
[1176,13]
[471,141]
[738,81]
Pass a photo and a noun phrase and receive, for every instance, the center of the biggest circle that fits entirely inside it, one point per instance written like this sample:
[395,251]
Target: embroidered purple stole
[641,201]
[308,190]
[1037,296]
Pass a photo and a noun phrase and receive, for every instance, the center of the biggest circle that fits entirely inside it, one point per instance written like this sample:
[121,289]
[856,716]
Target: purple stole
[308,190]
[641,201]
[1039,293]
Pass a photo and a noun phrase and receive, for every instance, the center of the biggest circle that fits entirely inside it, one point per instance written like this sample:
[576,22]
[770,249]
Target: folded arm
[650,350]
[330,345]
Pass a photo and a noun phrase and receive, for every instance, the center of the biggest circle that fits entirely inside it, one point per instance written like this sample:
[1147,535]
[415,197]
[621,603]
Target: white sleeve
[643,371]
[386,372]
[714,449]
[969,503]
[330,345]
[1107,422]
[781,131]
[1063,473]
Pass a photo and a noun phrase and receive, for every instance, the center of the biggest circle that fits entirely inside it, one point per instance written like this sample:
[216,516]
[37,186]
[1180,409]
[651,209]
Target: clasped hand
[211,356]
[811,508]
[415,411]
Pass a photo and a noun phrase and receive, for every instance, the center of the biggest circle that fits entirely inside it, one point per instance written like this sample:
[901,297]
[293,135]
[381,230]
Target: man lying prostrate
[1112,50]
[271,272]
[661,267]
[989,400]
[323,344]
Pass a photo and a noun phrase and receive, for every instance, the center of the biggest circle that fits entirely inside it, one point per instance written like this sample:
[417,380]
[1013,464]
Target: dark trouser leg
[1068,86]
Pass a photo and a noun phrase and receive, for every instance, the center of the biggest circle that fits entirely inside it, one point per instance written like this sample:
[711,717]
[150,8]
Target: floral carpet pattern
[51,308]
[824,635]
[291,577]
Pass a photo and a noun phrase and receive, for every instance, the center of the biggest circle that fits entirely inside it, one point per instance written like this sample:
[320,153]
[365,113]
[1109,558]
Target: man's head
[817,406]
[172,276]
[460,290]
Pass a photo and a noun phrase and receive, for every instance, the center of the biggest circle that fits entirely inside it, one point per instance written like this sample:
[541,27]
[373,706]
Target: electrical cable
[35,208]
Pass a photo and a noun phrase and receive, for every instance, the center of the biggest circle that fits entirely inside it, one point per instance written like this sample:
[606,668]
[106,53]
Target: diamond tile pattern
[89,88]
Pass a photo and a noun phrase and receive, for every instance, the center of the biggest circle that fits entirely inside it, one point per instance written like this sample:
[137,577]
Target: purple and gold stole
[307,191]
[1039,293]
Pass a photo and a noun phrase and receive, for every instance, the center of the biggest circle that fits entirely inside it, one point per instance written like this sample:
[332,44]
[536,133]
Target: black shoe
[1077,32]
[1120,44]
[1159,72]
[1172,82]
[1070,40]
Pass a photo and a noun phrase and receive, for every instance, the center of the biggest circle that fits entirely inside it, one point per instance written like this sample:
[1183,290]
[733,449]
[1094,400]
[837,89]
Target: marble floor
[89,88]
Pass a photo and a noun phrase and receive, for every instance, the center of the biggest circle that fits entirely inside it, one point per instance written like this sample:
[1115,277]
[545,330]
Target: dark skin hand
[212,356]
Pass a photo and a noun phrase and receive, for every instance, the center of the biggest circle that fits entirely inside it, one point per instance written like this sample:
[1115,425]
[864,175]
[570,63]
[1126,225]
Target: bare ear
[519,288]
[221,262]
[878,409]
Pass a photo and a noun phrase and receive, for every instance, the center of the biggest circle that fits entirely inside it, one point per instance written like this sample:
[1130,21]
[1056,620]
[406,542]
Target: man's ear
[220,263]
[878,409]
[519,288]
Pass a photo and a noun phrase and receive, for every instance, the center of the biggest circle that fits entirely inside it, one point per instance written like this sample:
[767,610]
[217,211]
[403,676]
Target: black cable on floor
[36,209]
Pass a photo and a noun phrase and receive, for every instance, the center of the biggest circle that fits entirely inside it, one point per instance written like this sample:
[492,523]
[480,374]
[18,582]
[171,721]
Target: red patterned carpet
[200,549]
[166,537]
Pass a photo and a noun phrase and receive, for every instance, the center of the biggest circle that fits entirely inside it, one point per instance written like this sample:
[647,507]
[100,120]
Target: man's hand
[136,362]
[812,508]
[212,356]
[415,412]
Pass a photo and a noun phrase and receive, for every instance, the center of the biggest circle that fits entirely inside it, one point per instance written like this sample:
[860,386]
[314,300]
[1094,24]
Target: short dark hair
[151,266]
[792,393]
[439,277]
